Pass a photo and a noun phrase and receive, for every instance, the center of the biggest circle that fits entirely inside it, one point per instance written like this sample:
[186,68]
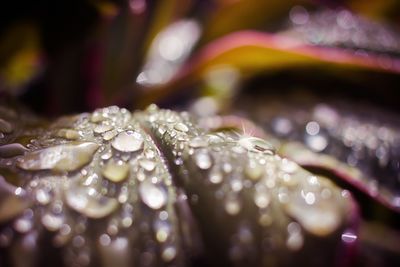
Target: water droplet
[312,128]
[5,126]
[253,170]
[105,240]
[68,134]
[197,142]
[148,165]
[309,198]
[78,241]
[43,196]
[115,171]
[282,126]
[168,254]
[227,167]
[295,238]
[152,195]
[265,220]
[214,139]
[254,144]
[317,142]
[107,155]
[123,195]
[91,204]
[52,221]
[161,130]
[288,166]
[68,157]
[178,161]
[107,136]
[261,198]
[236,184]
[25,223]
[299,15]
[128,142]
[12,150]
[320,220]
[149,154]
[232,204]
[163,215]
[203,160]
[162,230]
[181,127]
[215,176]
[349,237]
[102,128]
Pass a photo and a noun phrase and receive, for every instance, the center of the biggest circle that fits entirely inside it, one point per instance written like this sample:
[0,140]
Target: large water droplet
[318,219]
[254,144]
[68,157]
[115,171]
[153,195]
[89,202]
[128,142]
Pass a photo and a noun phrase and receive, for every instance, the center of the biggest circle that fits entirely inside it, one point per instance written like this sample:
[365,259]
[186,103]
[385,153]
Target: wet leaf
[194,194]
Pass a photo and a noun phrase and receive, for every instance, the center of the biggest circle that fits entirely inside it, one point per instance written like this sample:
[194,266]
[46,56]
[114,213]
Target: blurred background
[68,56]
[320,77]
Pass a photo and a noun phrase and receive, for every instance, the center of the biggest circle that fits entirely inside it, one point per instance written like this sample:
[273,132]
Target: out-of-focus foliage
[74,56]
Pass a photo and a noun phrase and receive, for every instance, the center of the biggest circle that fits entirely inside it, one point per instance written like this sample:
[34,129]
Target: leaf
[159,184]
[252,53]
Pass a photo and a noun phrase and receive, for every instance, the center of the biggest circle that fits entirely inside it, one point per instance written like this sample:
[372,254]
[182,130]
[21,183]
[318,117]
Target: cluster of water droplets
[97,185]
[359,145]
[256,200]
[342,28]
